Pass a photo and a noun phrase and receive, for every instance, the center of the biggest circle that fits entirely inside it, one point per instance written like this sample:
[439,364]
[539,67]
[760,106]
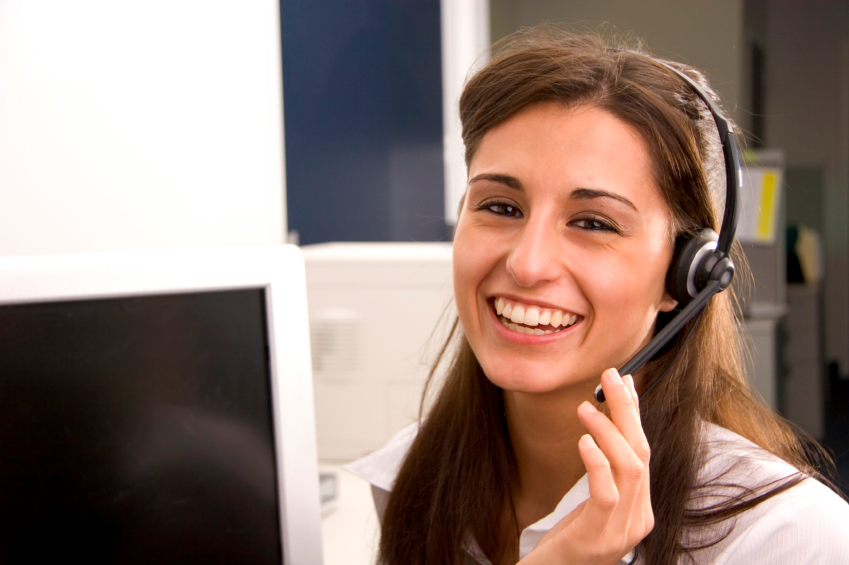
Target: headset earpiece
[688,272]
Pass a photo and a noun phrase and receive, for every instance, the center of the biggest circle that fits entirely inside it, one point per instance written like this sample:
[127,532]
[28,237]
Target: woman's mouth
[532,320]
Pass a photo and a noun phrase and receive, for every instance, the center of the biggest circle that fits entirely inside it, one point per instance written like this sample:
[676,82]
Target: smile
[532,320]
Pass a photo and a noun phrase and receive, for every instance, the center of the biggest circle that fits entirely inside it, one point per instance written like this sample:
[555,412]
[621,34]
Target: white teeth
[511,315]
[518,314]
[523,330]
[556,318]
[511,326]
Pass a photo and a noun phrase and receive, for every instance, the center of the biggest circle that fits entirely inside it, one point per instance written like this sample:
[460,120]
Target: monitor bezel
[278,271]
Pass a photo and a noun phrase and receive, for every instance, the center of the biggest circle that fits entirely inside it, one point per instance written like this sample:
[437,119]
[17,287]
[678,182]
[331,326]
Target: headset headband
[733,175]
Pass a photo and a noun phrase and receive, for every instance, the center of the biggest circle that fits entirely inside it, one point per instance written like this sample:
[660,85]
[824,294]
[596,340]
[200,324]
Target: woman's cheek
[622,294]
[606,281]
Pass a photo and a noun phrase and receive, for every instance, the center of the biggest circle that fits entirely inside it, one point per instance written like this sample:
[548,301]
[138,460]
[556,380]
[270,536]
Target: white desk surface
[350,532]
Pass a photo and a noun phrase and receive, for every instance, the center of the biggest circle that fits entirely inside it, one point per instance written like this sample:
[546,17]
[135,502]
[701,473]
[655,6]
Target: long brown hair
[455,482]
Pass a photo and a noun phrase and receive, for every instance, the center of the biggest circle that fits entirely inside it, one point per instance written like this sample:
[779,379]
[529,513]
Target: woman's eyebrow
[591,193]
[507,180]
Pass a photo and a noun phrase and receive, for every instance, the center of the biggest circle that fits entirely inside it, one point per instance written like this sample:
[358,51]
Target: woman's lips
[530,319]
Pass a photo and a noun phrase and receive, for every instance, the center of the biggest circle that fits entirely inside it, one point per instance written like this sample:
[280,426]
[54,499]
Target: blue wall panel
[363,114]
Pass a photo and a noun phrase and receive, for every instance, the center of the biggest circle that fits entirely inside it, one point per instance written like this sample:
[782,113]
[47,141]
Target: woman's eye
[502,209]
[591,224]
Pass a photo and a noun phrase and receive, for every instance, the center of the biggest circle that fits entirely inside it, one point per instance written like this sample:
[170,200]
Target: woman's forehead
[547,141]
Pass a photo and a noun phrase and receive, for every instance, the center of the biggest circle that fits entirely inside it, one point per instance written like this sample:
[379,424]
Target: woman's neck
[544,432]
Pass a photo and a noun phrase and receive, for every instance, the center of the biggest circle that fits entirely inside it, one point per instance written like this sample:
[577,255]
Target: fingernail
[587,408]
[628,380]
[613,375]
[588,441]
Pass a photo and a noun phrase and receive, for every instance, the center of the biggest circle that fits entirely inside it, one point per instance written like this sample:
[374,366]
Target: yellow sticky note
[765,217]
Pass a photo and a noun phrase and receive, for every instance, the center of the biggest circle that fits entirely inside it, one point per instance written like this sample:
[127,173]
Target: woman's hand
[618,513]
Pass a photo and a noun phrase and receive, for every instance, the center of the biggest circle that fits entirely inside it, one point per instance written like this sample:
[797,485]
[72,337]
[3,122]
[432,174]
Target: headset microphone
[701,266]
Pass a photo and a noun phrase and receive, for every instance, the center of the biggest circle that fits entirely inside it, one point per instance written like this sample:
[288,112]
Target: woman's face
[561,248]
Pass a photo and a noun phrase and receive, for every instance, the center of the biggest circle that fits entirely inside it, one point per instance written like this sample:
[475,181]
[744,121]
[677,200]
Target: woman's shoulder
[728,457]
[806,523]
[380,468]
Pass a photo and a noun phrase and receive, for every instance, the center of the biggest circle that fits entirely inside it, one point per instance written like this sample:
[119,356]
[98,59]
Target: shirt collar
[532,534]
[381,467]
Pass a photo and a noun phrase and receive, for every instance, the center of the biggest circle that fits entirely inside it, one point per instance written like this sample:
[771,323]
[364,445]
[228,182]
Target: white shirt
[806,524]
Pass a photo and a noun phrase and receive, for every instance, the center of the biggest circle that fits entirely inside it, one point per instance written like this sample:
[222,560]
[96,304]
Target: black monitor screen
[138,430]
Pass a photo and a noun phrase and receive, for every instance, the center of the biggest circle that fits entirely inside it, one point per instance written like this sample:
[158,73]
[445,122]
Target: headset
[700,266]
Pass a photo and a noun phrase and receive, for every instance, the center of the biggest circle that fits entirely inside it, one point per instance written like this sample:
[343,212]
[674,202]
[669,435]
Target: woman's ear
[667,303]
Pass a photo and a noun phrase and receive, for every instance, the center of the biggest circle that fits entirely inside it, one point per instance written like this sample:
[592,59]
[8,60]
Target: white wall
[707,34]
[139,124]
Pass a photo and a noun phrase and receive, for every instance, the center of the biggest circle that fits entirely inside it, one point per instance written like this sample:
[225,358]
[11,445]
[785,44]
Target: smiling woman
[586,165]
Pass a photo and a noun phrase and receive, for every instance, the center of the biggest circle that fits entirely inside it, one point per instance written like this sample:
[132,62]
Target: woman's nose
[533,258]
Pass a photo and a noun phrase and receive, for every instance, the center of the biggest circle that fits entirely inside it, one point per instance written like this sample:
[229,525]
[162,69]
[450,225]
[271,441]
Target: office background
[160,124]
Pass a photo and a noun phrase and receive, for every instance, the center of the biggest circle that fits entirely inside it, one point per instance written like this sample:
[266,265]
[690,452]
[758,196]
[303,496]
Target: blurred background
[332,125]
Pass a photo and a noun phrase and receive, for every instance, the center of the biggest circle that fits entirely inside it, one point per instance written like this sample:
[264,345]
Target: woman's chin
[532,381]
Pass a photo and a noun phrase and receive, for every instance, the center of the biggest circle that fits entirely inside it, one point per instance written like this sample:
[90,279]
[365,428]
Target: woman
[585,164]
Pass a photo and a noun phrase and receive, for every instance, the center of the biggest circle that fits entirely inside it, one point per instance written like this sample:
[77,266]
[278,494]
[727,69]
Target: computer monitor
[157,407]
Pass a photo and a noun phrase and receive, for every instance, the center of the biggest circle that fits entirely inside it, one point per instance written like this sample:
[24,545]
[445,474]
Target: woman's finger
[629,384]
[625,412]
[642,517]
[604,496]
[644,497]
[627,470]
[645,522]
